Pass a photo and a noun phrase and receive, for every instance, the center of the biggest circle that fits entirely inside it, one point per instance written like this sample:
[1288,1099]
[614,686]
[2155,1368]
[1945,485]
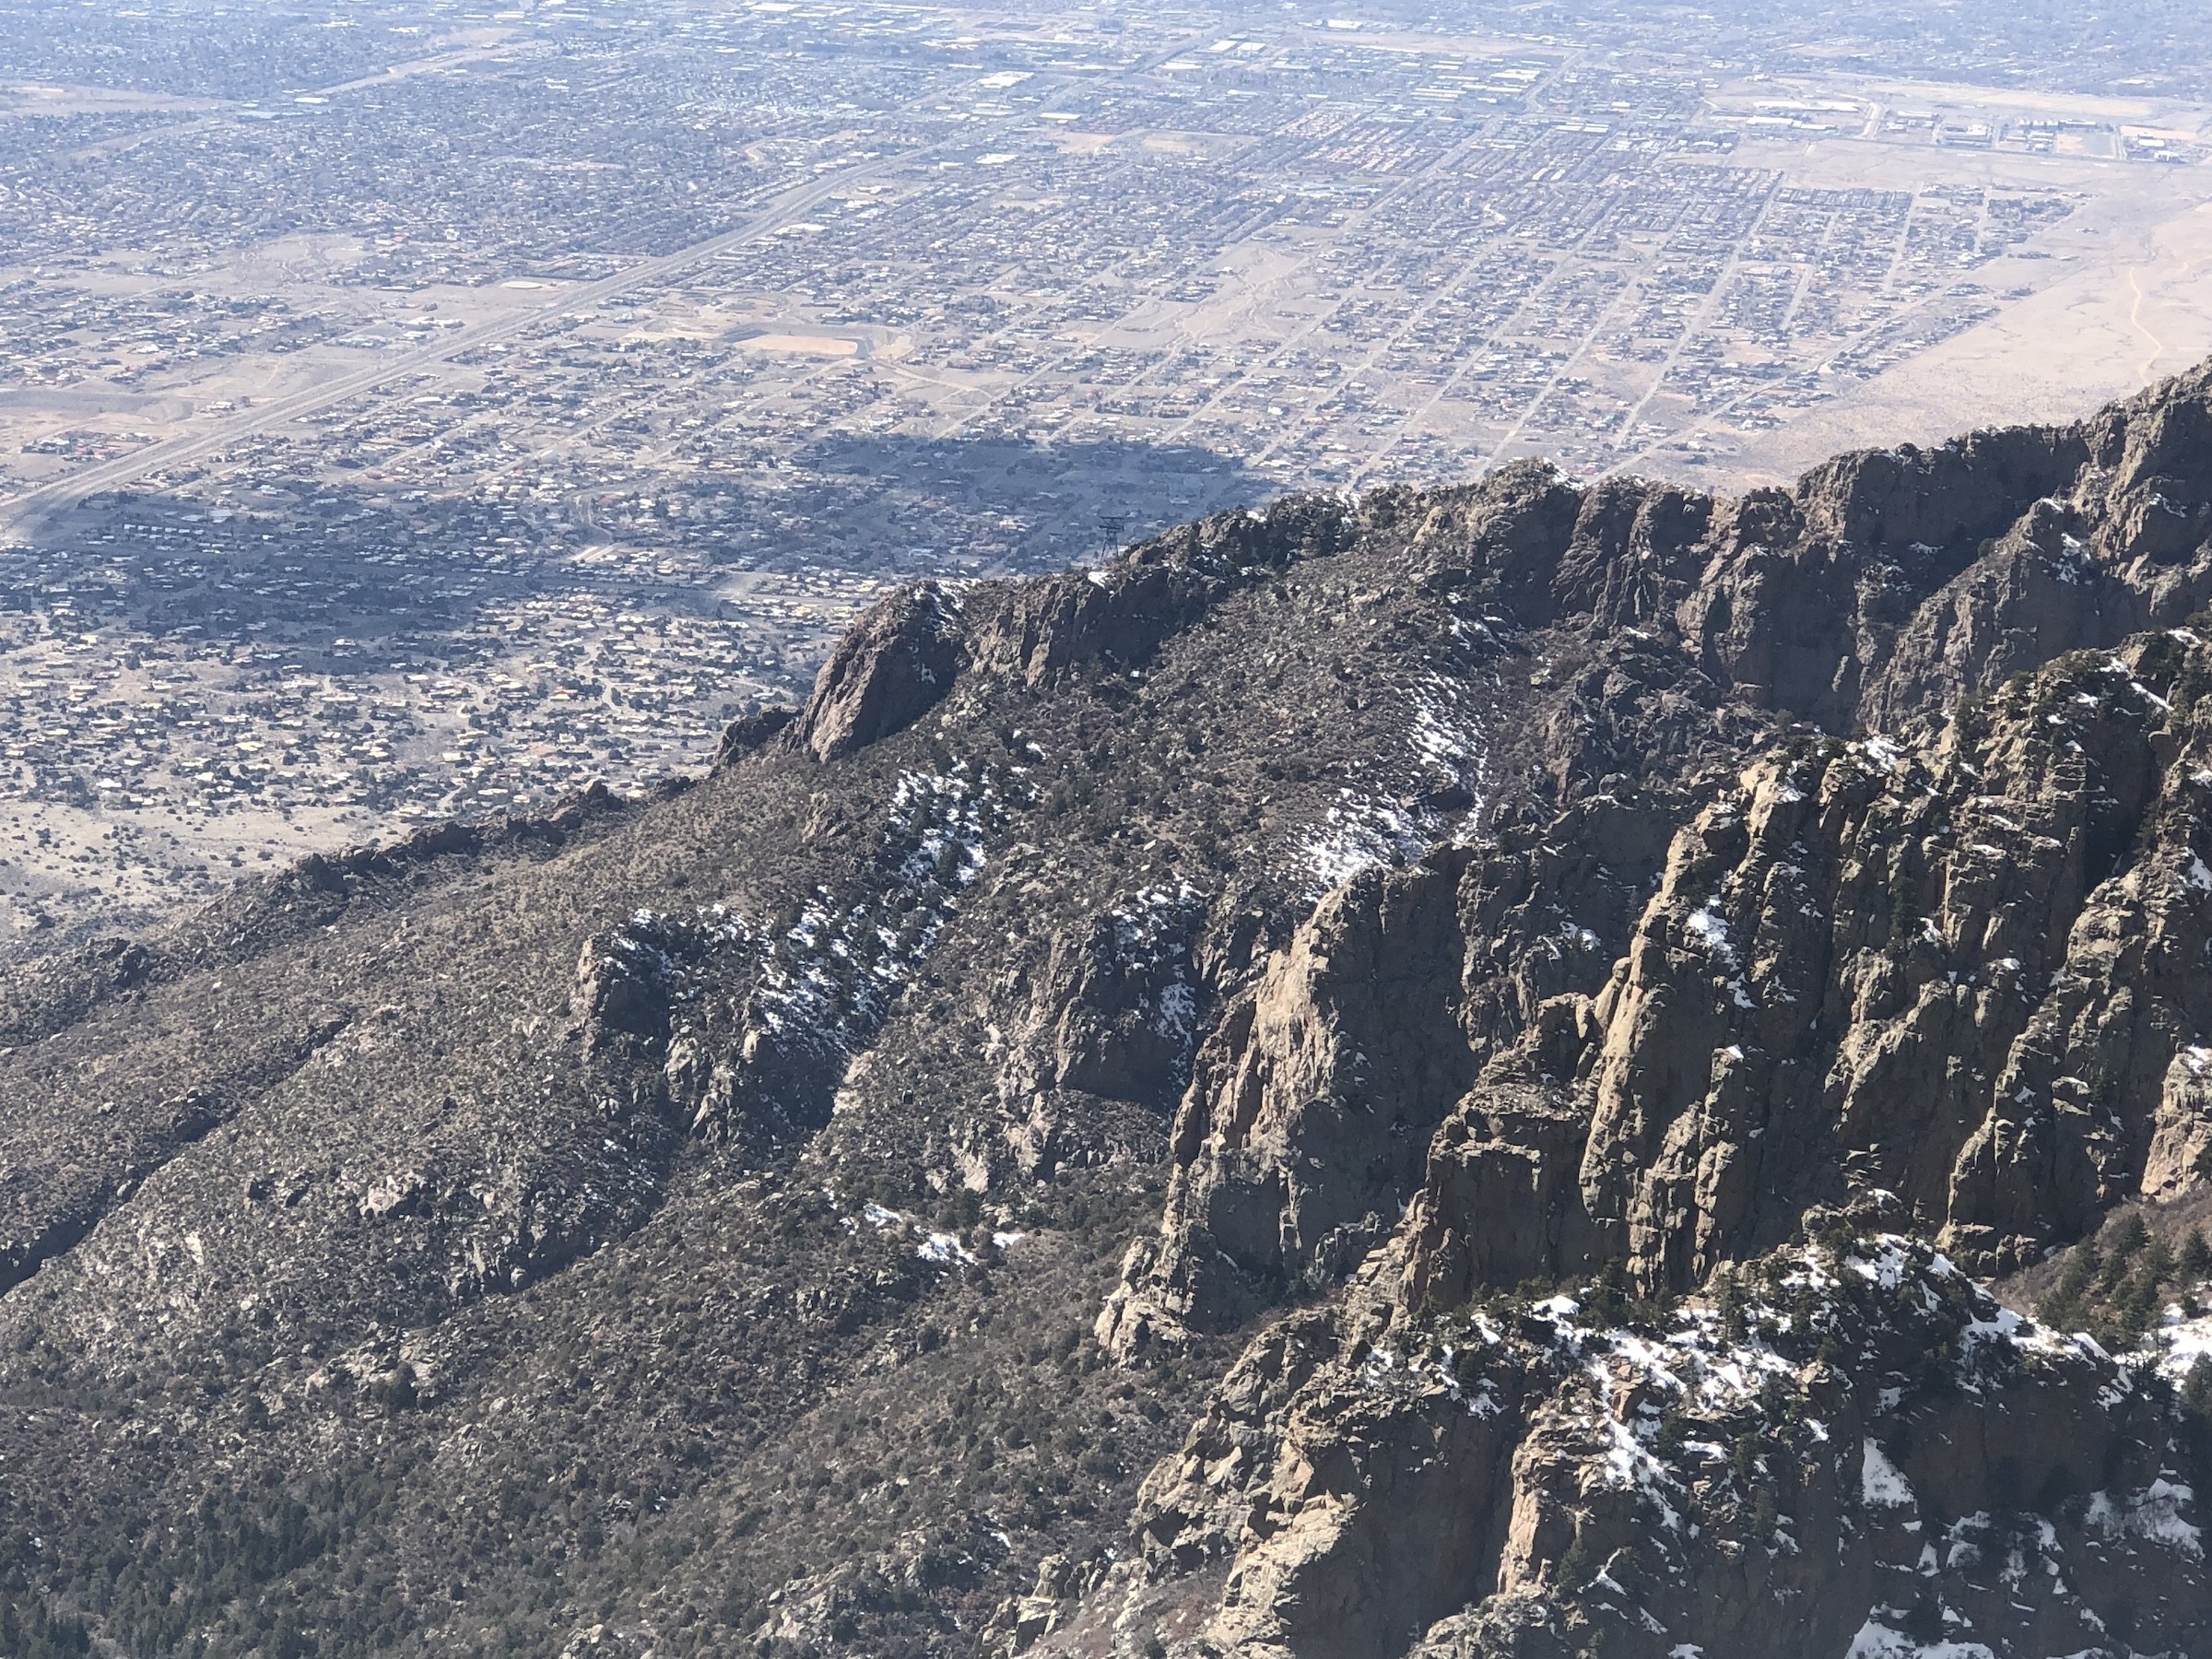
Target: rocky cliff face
[1439,1075]
[1849,1443]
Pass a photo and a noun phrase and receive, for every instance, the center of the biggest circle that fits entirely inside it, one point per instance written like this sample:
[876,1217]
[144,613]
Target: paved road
[24,508]
[19,512]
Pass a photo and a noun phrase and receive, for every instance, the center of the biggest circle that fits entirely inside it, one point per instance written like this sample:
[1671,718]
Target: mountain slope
[795,1212]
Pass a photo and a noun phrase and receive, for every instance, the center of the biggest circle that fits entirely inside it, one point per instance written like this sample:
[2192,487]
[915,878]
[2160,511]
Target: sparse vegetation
[2115,1287]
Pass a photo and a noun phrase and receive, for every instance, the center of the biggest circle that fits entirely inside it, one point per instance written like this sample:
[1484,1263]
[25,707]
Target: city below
[429,411]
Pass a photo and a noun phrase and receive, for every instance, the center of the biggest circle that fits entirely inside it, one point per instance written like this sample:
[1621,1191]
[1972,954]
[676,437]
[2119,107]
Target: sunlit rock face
[1446,1073]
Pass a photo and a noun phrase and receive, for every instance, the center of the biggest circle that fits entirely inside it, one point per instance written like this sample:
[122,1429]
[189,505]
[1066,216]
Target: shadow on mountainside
[1076,501]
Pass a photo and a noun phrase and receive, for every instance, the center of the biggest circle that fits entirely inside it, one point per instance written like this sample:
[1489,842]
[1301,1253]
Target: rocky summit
[1536,1070]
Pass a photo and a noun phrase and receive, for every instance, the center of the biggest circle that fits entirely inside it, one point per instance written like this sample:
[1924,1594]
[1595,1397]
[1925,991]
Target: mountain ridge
[820,1209]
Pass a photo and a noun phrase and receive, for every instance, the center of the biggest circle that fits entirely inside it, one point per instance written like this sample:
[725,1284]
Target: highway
[25,508]
[21,511]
